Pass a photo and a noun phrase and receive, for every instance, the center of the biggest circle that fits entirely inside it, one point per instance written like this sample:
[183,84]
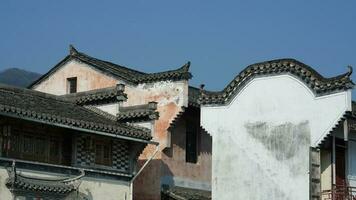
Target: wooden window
[72,85]
[27,145]
[15,143]
[191,154]
[103,152]
[54,150]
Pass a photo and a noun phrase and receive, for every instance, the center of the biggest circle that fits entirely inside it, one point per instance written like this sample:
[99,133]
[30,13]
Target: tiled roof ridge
[114,93]
[135,76]
[180,73]
[142,112]
[25,91]
[148,106]
[193,96]
[64,185]
[183,193]
[315,81]
[114,118]
[126,73]
[47,117]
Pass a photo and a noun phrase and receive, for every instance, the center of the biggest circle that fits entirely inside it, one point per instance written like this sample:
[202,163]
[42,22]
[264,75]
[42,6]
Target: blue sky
[220,38]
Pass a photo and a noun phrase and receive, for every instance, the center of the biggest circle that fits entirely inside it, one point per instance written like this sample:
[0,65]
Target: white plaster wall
[5,193]
[170,96]
[111,108]
[163,92]
[96,188]
[250,158]
[325,170]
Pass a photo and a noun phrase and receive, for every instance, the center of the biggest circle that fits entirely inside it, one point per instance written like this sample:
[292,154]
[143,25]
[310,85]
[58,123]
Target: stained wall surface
[177,171]
[261,139]
[170,96]
[87,79]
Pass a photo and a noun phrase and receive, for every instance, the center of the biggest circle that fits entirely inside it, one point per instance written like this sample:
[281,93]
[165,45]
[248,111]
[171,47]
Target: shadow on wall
[179,135]
[171,162]
[147,186]
[206,142]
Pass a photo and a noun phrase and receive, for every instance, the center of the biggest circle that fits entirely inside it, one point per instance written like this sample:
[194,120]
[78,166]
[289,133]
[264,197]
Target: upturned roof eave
[130,76]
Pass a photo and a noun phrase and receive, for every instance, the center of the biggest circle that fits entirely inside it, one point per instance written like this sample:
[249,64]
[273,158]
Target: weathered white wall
[325,169]
[96,188]
[5,193]
[170,96]
[261,139]
[110,108]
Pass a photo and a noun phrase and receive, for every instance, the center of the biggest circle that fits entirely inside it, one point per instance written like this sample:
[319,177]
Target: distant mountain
[18,77]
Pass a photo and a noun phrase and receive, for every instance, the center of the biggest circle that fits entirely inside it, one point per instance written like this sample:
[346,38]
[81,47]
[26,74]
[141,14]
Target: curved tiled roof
[138,113]
[316,82]
[51,109]
[59,186]
[107,95]
[119,71]
[193,96]
[22,183]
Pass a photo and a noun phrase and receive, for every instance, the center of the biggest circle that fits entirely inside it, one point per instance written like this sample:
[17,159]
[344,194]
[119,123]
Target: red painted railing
[339,192]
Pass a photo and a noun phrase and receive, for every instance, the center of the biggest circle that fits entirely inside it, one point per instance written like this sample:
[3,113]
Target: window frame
[70,82]
[102,144]
[39,145]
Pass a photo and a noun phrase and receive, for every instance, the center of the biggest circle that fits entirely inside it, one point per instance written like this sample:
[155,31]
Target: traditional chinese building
[65,147]
[183,160]
[282,131]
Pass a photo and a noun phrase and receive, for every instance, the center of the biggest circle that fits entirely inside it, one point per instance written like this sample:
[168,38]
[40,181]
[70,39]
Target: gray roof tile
[47,108]
[317,83]
[138,113]
[181,193]
[98,96]
[119,71]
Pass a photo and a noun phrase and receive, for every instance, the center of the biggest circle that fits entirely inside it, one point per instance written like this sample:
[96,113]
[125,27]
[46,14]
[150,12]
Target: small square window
[72,85]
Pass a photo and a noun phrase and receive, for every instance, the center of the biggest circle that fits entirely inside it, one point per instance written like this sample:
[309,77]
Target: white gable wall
[261,139]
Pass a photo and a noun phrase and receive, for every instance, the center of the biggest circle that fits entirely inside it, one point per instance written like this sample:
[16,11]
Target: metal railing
[339,192]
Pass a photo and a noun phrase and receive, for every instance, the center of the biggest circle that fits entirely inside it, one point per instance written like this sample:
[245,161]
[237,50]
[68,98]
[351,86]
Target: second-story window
[103,152]
[72,85]
[35,146]
[191,150]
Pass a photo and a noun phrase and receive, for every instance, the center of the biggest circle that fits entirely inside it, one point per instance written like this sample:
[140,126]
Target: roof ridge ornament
[72,50]
[350,70]
[186,66]
[201,89]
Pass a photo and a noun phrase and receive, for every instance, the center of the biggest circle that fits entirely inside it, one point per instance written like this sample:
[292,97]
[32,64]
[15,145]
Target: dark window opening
[191,154]
[72,85]
[28,145]
[103,152]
